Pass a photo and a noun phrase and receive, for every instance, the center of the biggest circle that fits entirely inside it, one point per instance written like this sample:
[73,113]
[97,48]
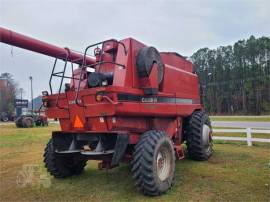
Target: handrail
[62,78]
[84,65]
[63,74]
[97,63]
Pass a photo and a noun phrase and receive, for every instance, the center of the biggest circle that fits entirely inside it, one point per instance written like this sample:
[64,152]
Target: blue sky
[179,26]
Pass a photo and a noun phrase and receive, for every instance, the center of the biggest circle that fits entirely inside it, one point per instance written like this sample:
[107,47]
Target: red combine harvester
[127,103]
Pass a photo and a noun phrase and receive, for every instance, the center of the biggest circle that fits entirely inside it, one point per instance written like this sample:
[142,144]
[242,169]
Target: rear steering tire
[18,122]
[153,163]
[199,137]
[61,166]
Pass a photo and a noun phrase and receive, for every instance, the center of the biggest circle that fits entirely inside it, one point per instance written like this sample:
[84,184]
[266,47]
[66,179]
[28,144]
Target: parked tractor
[31,120]
[128,102]
[6,116]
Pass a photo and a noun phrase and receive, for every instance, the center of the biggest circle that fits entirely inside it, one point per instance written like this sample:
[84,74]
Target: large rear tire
[18,122]
[153,164]
[61,166]
[28,122]
[199,136]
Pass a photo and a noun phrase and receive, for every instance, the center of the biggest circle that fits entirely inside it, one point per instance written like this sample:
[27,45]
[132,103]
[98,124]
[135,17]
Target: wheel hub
[160,161]
[163,164]
[206,135]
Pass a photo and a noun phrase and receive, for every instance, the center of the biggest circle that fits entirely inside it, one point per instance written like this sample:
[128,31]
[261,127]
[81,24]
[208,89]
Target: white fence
[248,137]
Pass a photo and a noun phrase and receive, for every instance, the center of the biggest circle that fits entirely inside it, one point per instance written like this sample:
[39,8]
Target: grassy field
[241,118]
[234,173]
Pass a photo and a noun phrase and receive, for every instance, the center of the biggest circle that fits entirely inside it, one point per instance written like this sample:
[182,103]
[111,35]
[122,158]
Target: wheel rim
[163,163]
[29,123]
[207,136]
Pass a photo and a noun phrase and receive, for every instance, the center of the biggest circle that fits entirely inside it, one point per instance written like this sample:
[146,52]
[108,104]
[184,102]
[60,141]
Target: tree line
[235,79]
[8,92]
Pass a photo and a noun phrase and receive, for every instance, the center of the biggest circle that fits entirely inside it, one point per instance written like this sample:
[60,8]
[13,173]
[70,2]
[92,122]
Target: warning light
[99,98]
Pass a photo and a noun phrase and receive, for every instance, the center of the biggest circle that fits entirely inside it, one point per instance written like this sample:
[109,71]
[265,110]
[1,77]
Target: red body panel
[176,60]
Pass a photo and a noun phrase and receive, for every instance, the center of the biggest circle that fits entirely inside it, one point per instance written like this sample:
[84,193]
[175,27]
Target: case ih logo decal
[149,99]
[152,99]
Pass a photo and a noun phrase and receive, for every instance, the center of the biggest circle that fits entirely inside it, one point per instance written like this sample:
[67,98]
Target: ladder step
[87,153]
[95,153]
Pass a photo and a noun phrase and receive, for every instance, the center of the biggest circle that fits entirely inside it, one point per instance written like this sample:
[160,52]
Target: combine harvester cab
[129,102]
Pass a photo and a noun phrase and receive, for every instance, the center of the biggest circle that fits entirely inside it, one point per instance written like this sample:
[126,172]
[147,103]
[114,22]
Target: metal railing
[83,66]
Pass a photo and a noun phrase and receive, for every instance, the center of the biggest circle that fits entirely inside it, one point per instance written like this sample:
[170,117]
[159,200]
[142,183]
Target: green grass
[240,118]
[243,143]
[10,136]
[233,173]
